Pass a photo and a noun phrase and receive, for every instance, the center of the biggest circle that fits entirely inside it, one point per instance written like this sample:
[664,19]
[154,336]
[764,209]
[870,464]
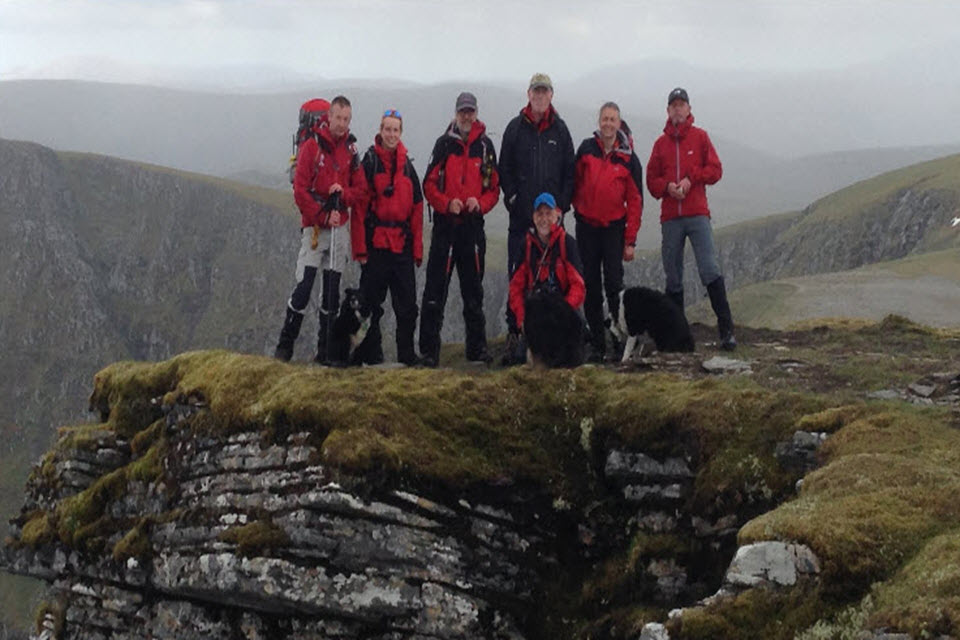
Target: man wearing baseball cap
[462,184]
[536,156]
[683,162]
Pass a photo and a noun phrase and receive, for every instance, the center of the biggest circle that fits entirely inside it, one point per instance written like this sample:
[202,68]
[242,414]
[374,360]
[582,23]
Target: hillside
[891,216]
[214,495]
[114,259]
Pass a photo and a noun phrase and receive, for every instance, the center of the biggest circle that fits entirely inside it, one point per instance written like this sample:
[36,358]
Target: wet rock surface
[245,538]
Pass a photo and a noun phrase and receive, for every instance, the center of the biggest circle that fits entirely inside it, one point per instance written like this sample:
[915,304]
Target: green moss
[135,544]
[756,613]
[141,443]
[82,516]
[923,598]
[57,611]
[83,437]
[149,466]
[256,538]
[38,530]
[125,394]
[889,486]
[832,419]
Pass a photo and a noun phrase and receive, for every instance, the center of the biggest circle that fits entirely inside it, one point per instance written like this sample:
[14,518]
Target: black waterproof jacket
[535,158]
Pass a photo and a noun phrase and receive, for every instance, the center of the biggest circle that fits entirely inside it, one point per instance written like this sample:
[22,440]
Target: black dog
[349,329]
[645,310]
[553,330]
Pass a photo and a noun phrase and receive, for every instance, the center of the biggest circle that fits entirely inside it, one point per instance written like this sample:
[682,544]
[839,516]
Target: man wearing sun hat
[461,184]
[536,156]
[683,162]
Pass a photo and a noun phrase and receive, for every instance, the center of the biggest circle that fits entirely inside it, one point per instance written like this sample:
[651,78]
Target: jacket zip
[679,202]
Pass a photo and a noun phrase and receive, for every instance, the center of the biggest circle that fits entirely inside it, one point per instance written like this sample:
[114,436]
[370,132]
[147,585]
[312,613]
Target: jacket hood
[678,132]
[556,232]
[545,122]
[622,144]
[323,132]
[477,130]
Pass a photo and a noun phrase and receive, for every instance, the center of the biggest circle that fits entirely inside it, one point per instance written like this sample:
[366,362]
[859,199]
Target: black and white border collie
[644,310]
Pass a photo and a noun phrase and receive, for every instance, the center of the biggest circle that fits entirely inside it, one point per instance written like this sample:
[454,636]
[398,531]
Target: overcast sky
[290,40]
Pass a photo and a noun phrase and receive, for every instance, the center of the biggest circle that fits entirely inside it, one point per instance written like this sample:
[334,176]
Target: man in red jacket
[461,184]
[327,184]
[608,203]
[683,162]
[550,262]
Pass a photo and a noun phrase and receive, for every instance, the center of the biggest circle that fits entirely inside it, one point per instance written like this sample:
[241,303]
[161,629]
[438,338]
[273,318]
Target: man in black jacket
[536,156]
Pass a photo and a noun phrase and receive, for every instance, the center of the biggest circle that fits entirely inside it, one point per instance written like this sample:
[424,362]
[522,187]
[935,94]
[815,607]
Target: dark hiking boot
[288,335]
[481,356]
[429,360]
[510,356]
[718,300]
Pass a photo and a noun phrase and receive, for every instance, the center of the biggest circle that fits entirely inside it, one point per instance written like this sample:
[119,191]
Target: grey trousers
[674,235]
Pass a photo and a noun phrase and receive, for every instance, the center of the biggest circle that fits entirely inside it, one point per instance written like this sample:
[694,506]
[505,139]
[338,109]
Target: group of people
[380,198]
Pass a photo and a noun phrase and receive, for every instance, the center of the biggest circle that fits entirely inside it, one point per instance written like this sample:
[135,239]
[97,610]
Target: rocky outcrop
[179,518]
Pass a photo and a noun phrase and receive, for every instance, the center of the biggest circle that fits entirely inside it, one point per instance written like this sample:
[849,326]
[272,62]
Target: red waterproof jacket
[468,169]
[322,162]
[684,151]
[561,263]
[609,186]
[390,220]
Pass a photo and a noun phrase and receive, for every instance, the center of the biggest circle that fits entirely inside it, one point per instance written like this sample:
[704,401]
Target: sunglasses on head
[392,113]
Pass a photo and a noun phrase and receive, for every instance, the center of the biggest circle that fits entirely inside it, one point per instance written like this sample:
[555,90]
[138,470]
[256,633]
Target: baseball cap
[466,100]
[678,94]
[544,198]
[540,80]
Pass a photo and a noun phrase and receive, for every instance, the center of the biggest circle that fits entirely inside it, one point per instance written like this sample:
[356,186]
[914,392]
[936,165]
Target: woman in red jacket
[608,204]
[551,263]
[388,239]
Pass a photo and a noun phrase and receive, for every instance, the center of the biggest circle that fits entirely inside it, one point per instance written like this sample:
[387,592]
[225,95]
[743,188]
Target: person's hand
[628,252]
[335,187]
[455,206]
[473,205]
[334,219]
[684,186]
[673,191]
[362,259]
[418,262]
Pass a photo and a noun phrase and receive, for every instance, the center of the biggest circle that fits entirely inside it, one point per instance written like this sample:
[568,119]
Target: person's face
[609,123]
[390,130]
[465,119]
[678,111]
[540,98]
[544,218]
[340,120]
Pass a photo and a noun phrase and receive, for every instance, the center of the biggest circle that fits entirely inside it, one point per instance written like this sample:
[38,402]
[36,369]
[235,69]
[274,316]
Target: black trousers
[601,249]
[394,271]
[461,246]
[516,248]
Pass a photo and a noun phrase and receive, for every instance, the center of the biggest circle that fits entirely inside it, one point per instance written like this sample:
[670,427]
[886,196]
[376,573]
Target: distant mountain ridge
[247,136]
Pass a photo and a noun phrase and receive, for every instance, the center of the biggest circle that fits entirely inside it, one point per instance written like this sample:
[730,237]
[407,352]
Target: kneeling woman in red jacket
[551,262]
[388,239]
